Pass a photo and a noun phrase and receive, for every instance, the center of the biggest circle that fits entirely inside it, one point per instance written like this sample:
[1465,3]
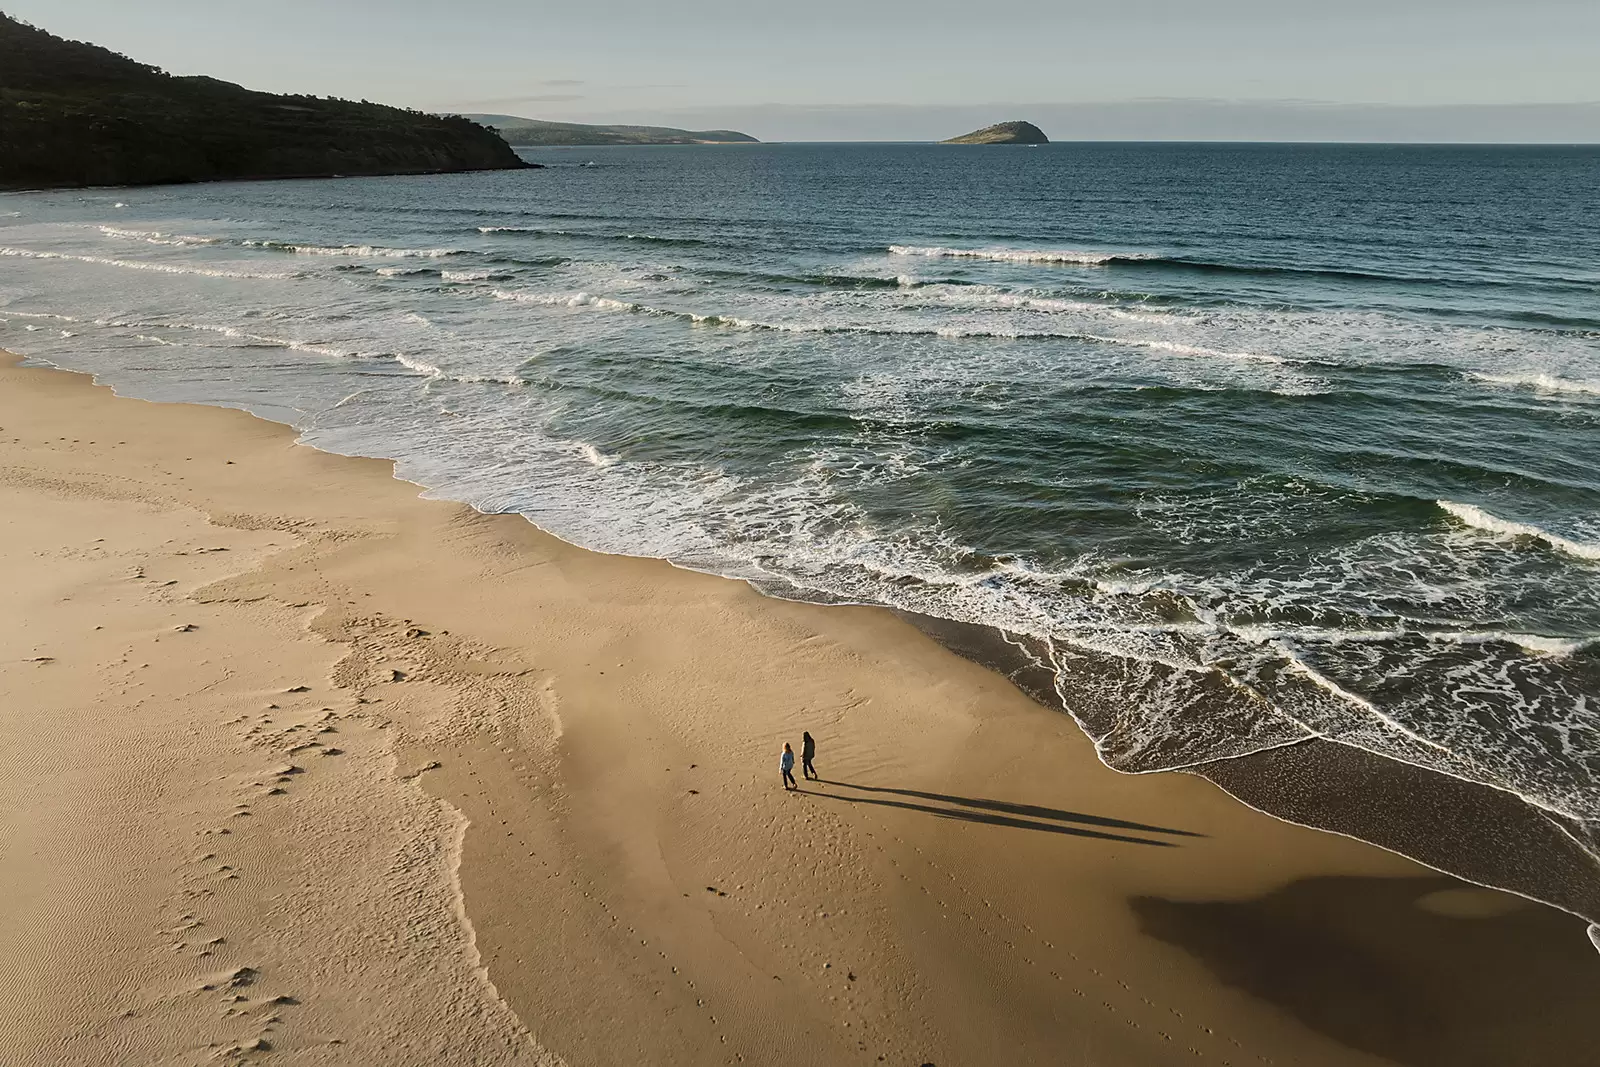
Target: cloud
[527,98]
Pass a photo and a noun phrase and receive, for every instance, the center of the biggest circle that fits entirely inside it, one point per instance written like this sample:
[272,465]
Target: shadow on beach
[1425,972]
[1002,813]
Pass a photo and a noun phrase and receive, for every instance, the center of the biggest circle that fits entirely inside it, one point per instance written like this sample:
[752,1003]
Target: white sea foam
[1556,647]
[1544,383]
[126,264]
[434,372]
[412,363]
[290,343]
[983,296]
[488,379]
[1546,646]
[792,535]
[1178,349]
[233,333]
[467,275]
[1169,634]
[421,366]
[42,315]
[594,456]
[156,237]
[1372,713]
[1482,520]
[400,272]
[358,251]
[739,322]
[577,300]
[1016,255]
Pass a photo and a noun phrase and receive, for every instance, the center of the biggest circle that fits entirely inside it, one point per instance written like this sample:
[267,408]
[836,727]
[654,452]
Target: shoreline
[1486,849]
[981,879]
[1463,830]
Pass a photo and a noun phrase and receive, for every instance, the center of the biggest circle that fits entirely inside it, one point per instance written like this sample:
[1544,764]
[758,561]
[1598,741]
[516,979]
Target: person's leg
[811,772]
[788,780]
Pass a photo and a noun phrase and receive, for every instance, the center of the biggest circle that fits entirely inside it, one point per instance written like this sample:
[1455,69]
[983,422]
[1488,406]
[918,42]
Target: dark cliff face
[75,114]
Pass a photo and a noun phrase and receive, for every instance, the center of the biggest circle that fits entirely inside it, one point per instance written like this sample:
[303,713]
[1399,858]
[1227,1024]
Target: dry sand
[301,768]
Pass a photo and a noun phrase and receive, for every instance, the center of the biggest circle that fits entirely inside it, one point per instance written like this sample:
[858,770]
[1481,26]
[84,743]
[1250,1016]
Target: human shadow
[1422,971]
[1001,813]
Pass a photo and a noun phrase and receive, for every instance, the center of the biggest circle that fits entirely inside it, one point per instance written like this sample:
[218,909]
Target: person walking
[786,765]
[808,752]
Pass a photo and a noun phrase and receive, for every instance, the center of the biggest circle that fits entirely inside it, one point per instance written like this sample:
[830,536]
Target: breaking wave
[1010,255]
[737,322]
[361,251]
[157,238]
[1089,430]
[1543,383]
[1479,519]
[128,264]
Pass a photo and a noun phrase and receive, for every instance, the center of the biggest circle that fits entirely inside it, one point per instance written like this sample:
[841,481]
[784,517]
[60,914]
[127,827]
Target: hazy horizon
[1143,120]
[1415,71]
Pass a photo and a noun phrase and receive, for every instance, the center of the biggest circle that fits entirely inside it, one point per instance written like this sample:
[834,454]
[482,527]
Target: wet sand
[309,770]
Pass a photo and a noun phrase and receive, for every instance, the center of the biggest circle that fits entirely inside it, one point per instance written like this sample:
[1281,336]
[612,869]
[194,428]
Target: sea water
[1252,444]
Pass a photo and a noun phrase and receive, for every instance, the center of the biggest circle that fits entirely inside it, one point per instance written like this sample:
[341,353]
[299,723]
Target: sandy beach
[306,769]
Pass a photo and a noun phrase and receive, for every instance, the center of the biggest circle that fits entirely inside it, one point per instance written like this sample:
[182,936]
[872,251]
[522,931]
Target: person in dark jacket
[808,752]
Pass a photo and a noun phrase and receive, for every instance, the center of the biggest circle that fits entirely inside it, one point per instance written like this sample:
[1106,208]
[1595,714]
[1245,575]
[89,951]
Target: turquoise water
[1256,443]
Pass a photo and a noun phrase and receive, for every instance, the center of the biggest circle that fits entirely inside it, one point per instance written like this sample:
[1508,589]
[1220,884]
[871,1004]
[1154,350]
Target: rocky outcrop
[1003,133]
[74,114]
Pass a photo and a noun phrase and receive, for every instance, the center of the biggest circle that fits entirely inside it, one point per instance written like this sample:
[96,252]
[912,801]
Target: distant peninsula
[1003,133]
[530,132]
[76,114]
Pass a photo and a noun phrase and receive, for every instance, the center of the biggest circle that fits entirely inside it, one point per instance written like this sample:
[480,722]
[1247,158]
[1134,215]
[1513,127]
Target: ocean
[1240,447]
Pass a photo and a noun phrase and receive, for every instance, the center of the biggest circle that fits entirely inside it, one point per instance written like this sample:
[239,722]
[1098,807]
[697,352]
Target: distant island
[529,132]
[76,114]
[1003,133]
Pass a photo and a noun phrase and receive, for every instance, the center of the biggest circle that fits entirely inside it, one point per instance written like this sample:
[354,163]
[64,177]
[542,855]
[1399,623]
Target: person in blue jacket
[786,765]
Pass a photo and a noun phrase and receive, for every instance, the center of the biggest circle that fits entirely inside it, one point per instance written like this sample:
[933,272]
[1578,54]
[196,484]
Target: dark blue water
[1255,443]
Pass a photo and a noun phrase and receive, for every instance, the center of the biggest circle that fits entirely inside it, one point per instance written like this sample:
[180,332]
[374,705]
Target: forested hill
[74,114]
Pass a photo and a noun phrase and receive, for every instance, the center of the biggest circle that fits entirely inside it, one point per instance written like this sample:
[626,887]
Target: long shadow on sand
[1424,971]
[1001,813]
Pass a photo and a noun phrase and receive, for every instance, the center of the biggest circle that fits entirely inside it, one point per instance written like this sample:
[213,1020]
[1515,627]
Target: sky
[1452,70]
